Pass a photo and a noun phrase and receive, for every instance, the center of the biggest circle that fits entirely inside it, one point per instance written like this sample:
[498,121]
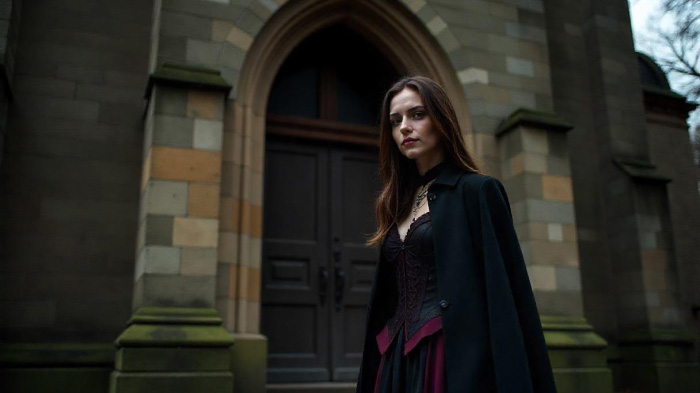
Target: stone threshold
[319,387]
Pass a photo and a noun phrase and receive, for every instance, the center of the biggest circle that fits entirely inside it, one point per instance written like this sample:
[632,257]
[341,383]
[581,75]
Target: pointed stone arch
[393,29]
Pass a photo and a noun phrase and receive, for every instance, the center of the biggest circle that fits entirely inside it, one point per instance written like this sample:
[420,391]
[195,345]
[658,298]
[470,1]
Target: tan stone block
[228,214]
[198,261]
[205,105]
[253,284]
[219,30]
[239,38]
[557,188]
[415,5]
[195,232]
[654,260]
[532,231]
[535,163]
[548,253]
[534,141]
[203,200]
[230,148]
[185,164]
[251,220]
[516,165]
[494,94]
[228,247]
[570,234]
[542,278]
[230,180]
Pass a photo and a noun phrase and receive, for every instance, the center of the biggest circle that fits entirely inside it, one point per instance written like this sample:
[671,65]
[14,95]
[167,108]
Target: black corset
[413,261]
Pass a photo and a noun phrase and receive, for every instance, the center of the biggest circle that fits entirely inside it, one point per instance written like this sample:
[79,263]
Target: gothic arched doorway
[320,184]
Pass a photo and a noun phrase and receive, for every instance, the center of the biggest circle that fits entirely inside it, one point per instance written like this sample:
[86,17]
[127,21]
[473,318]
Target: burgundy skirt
[413,366]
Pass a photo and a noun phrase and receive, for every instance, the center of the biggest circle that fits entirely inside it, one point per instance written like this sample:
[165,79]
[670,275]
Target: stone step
[319,387]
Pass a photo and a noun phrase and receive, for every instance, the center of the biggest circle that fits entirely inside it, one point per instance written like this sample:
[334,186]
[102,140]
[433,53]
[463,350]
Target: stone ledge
[531,117]
[175,327]
[57,355]
[571,333]
[641,170]
[188,76]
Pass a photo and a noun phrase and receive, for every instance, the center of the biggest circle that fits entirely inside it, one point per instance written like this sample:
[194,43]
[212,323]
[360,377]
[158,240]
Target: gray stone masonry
[69,178]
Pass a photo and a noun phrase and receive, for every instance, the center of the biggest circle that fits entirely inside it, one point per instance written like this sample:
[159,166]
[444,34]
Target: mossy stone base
[249,363]
[186,382]
[54,380]
[173,350]
[577,355]
[655,361]
[55,367]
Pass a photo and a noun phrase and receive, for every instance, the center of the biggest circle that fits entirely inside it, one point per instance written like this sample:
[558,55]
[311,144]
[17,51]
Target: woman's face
[413,131]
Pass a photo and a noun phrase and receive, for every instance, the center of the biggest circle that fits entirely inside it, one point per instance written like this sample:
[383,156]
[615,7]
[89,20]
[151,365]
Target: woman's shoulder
[476,182]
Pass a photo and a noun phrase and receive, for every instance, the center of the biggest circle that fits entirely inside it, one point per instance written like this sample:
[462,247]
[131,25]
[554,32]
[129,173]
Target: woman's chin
[412,155]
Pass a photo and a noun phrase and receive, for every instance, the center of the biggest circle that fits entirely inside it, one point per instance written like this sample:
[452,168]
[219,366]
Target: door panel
[354,186]
[318,214]
[295,241]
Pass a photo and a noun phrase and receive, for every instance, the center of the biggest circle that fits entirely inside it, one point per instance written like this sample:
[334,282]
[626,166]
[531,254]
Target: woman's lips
[408,141]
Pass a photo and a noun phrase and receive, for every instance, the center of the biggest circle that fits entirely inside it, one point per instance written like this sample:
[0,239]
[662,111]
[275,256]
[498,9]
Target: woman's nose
[405,129]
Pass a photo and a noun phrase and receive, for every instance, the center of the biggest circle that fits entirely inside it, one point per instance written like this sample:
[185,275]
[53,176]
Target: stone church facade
[186,186]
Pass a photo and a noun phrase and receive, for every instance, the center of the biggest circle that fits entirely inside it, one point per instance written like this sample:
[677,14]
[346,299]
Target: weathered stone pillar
[175,340]
[536,173]
[655,351]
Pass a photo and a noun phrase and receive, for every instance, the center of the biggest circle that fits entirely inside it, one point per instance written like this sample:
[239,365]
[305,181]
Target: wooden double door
[316,270]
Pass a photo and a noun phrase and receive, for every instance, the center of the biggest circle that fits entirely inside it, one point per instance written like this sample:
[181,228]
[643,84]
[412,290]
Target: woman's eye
[418,115]
[395,122]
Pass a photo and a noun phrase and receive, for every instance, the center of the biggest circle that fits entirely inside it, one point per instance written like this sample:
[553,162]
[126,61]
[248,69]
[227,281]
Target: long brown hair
[400,174]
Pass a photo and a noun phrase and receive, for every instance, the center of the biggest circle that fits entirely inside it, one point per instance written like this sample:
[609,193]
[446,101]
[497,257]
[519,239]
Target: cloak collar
[449,176]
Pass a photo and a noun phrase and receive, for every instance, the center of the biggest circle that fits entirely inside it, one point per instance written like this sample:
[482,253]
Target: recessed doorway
[321,180]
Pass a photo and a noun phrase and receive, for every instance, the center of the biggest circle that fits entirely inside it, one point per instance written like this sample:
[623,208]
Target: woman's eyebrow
[412,109]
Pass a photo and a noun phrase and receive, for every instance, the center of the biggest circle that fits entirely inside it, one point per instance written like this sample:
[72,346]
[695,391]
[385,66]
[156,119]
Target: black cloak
[493,336]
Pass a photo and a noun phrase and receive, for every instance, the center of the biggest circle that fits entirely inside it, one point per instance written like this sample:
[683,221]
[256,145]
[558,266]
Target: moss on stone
[249,363]
[56,354]
[188,76]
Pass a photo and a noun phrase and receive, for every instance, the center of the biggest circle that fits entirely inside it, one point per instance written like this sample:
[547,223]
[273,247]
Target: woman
[451,308]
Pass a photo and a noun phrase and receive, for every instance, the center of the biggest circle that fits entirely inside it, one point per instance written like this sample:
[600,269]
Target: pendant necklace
[420,199]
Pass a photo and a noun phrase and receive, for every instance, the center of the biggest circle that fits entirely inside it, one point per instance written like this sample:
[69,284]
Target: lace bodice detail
[413,262]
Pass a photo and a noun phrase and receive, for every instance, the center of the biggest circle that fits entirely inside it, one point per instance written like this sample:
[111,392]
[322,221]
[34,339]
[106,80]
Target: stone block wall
[499,52]
[69,182]
[535,170]
[180,186]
